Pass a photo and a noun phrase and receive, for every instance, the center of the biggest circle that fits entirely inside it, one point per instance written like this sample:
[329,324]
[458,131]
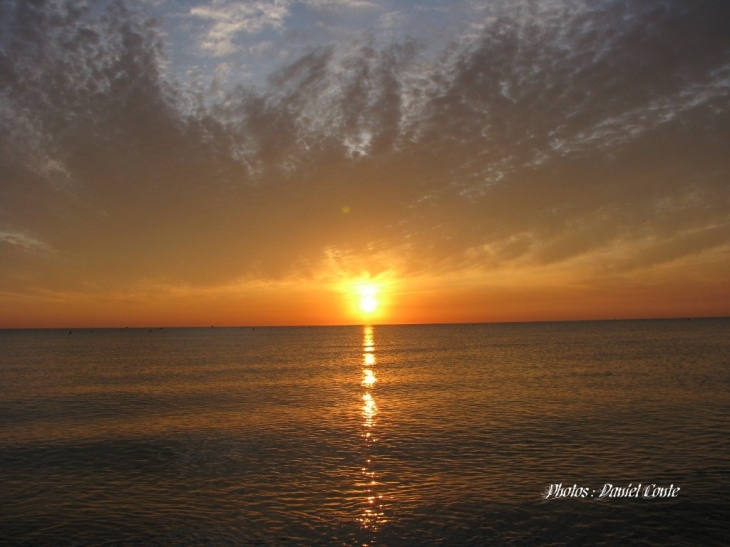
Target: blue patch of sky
[307,25]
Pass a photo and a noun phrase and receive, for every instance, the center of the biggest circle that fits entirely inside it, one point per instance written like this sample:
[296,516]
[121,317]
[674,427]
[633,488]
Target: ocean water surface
[354,436]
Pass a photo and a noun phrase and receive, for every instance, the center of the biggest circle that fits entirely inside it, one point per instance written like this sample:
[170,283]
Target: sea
[557,433]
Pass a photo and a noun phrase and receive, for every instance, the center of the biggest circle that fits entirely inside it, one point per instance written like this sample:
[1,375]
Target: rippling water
[386,435]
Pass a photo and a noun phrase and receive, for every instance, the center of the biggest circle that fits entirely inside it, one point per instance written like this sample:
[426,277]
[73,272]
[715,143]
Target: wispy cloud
[229,19]
[335,4]
[23,241]
[548,132]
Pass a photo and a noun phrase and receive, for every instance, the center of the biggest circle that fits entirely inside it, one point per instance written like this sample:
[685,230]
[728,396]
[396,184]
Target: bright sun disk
[368,302]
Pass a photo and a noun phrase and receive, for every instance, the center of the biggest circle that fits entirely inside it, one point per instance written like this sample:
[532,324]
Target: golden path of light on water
[372,515]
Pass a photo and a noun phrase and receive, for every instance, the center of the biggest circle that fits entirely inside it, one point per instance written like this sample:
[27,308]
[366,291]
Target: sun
[368,302]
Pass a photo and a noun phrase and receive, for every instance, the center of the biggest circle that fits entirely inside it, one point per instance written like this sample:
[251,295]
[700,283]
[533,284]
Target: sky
[196,163]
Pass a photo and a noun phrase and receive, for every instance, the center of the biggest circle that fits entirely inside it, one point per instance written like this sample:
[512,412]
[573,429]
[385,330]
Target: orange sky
[510,295]
[494,163]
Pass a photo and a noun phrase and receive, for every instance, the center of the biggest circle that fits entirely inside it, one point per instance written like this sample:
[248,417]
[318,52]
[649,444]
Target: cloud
[548,132]
[231,18]
[339,4]
[24,241]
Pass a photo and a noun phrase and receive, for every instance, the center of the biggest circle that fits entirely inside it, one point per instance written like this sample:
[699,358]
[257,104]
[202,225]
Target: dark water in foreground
[395,435]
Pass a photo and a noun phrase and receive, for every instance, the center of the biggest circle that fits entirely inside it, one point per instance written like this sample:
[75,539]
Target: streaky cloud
[547,132]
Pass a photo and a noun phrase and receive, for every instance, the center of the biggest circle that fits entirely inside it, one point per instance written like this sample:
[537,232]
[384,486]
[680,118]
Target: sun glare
[368,302]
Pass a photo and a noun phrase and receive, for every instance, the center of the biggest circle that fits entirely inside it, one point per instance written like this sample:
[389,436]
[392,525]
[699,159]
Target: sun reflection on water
[372,515]
[368,377]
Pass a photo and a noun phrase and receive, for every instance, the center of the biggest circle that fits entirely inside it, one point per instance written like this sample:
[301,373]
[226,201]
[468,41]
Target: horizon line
[159,327]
